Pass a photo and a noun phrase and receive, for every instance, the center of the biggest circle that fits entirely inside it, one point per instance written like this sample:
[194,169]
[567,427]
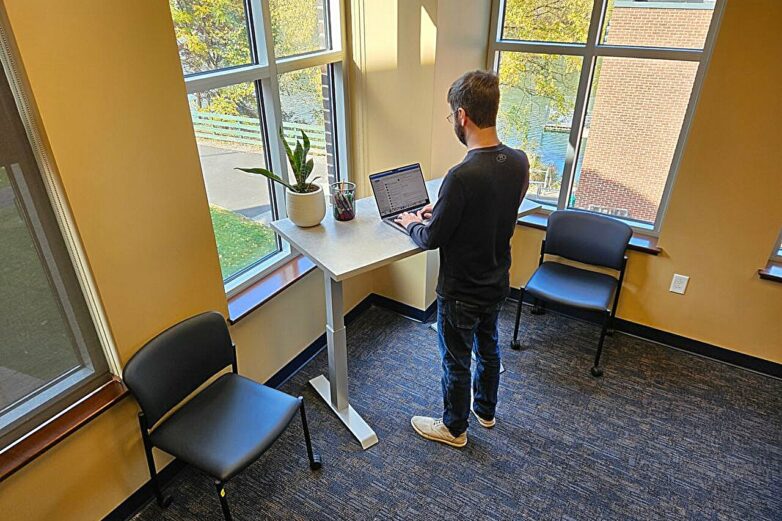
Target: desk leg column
[337,344]
[334,390]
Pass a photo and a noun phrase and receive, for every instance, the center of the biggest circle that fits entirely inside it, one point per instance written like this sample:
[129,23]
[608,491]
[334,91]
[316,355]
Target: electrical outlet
[679,283]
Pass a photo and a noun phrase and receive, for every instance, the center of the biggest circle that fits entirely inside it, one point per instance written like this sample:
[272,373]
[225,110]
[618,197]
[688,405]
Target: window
[253,68]
[776,254]
[599,93]
[299,26]
[50,354]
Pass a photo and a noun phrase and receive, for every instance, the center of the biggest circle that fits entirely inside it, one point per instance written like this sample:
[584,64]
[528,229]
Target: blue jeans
[463,328]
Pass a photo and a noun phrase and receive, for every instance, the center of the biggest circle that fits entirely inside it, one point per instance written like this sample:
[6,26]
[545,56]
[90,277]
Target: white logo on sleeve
[501,158]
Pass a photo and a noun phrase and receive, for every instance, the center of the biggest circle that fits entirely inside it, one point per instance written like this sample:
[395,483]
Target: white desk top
[345,249]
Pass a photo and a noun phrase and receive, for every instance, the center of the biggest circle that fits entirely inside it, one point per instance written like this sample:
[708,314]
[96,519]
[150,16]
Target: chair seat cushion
[571,286]
[226,426]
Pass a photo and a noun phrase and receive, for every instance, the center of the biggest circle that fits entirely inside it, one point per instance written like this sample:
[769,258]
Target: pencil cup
[343,198]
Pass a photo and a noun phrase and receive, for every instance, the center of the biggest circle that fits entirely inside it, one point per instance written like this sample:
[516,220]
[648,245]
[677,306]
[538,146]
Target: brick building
[637,108]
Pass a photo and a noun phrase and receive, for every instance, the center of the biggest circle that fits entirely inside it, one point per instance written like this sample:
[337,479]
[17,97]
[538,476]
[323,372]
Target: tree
[213,34]
[540,85]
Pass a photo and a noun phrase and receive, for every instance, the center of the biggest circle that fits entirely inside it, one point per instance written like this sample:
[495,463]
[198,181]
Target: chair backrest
[173,364]
[587,237]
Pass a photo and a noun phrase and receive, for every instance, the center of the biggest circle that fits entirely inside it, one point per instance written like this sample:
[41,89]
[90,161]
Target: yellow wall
[725,210]
[405,55]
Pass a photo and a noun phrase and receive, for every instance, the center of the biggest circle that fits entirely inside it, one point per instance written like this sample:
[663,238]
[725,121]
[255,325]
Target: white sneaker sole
[457,444]
[484,423]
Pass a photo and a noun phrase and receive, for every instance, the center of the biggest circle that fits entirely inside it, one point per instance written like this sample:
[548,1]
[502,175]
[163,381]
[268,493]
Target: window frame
[590,51]
[41,202]
[776,252]
[265,74]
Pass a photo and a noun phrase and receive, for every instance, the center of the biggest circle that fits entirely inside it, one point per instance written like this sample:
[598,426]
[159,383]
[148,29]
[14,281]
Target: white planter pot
[306,210]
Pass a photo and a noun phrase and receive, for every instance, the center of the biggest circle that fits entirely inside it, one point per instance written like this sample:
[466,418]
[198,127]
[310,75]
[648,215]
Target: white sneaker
[434,429]
[484,423]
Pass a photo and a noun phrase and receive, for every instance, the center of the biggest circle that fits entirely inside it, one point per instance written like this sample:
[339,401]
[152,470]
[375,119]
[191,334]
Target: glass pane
[306,102]
[634,119]
[537,99]
[229,133]
[662,23]
[36,346]
[299,26]
[211,34]
[562,21]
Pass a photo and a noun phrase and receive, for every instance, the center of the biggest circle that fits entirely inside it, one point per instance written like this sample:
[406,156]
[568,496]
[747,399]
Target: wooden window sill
[772,271]
[61,426]
[638,242]
[253,297]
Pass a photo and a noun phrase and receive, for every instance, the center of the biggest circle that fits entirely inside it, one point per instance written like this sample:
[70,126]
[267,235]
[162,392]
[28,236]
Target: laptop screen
[399,190]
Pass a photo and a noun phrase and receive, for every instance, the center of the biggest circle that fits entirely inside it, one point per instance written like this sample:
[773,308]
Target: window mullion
[224,78]
[654,53]
[335,26]
[569,49]
[270,90]
[339,99]
[582,97]
[294,63]
[495,26]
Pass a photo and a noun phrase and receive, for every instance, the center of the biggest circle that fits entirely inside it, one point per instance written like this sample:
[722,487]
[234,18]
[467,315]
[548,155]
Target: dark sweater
[472,224]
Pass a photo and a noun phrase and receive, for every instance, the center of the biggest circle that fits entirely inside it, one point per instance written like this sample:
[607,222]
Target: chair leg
[162,501]
[596,370]
[610,330]
[223,501]
[315,461]
[515,344]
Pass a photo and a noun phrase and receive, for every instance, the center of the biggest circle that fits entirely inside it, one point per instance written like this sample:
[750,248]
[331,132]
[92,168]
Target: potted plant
[304,199]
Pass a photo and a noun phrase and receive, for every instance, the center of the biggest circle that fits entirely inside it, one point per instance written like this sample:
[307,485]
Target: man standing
[472,224]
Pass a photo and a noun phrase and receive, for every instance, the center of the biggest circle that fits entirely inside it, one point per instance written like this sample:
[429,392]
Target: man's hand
[406,218]
[425,213]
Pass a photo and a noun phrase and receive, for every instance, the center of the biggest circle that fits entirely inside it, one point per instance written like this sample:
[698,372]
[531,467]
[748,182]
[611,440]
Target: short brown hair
[478,93]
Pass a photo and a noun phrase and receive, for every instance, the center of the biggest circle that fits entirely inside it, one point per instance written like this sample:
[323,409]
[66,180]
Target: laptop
[399,190]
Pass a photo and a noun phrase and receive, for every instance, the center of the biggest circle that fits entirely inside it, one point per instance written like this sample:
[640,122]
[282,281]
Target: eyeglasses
[450,116]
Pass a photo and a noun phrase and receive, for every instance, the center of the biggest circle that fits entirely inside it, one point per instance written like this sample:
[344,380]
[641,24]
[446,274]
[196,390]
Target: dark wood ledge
[61,426]
[772,271]
[253,297]
[638,242]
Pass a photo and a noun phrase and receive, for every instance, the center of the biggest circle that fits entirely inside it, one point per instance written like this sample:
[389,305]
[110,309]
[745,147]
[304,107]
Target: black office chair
[222,429]
[587,238]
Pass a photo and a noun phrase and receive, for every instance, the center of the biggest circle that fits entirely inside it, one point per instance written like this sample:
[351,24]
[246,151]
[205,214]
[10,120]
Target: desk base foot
[352,420]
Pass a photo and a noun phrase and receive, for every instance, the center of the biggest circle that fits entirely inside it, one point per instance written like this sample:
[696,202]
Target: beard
[459,131]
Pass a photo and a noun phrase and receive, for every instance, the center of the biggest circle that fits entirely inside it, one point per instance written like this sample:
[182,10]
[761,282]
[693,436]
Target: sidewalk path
[246,194]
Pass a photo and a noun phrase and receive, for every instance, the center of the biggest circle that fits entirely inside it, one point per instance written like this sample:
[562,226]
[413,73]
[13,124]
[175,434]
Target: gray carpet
[664,435]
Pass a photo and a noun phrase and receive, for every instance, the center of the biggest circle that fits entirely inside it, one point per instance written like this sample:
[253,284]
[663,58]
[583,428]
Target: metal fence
[243,130]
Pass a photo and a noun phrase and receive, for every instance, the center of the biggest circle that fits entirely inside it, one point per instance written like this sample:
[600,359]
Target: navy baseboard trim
[704,349]
[312,350]
[145,494]
[403,309]
[673,340]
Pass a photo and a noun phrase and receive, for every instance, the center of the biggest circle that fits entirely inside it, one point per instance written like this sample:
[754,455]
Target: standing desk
[343,250]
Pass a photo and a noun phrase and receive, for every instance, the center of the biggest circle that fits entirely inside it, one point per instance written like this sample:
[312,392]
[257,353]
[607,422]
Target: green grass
[240,241]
